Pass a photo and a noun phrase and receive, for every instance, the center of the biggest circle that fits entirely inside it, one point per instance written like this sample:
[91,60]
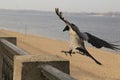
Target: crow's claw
[67,52]
[64,52]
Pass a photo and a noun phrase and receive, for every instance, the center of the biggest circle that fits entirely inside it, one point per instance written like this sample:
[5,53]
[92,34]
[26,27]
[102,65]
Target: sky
[64,5]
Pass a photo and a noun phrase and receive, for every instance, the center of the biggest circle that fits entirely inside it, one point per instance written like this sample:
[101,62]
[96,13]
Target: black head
[66,28]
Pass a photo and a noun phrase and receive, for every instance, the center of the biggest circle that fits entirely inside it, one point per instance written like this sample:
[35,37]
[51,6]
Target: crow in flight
[77,39]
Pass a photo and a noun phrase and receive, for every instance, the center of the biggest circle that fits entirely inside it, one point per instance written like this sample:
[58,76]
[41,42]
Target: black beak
[66,28]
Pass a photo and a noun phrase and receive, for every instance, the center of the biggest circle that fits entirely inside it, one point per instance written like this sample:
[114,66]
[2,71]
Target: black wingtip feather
[113,47]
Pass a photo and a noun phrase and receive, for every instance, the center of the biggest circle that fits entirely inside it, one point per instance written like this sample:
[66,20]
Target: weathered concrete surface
[27,67]
[24,66]
[1,61]
[13,40]
[2,53]
[54,74]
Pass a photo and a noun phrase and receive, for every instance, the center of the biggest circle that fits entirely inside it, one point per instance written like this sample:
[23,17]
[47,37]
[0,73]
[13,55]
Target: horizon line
[37,10]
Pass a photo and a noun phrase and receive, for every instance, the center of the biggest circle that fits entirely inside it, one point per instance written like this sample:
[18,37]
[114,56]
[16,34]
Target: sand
[82,67]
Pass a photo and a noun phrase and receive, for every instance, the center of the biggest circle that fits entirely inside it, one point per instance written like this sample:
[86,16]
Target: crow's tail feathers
[89,55]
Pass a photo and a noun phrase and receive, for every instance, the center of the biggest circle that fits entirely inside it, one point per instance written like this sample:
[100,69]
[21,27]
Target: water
[48,24]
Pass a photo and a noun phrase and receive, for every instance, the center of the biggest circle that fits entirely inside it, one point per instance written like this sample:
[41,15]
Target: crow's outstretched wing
[99,43]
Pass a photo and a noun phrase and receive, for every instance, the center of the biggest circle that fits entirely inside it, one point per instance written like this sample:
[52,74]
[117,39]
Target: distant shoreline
[23,11]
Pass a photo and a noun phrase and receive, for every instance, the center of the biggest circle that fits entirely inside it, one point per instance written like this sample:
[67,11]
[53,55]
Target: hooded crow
[77,39]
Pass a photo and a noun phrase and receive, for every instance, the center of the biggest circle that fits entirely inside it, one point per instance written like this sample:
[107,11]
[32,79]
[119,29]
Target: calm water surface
[49,25]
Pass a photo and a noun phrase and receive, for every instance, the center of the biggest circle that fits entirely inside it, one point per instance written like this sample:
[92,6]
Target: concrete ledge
[27,67]
[13,40]
[21,66]
[53,73]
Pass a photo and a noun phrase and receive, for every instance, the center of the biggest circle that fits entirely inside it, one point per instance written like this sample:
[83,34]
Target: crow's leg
[88,54]
[81,53]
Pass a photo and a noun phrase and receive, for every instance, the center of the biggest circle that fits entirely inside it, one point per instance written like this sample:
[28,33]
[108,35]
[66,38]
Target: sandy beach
[81,67]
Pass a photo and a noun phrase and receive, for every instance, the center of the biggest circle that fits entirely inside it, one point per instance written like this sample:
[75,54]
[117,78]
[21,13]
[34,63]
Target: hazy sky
[64,5]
